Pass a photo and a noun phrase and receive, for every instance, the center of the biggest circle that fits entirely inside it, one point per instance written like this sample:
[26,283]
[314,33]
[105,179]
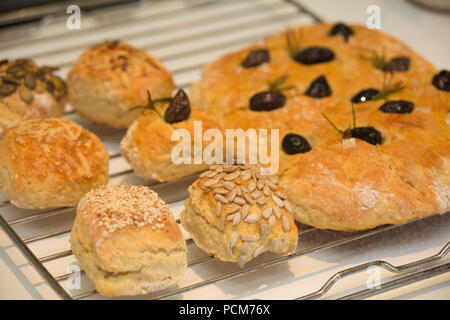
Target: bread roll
[53,162]
[127,241]
[109,79]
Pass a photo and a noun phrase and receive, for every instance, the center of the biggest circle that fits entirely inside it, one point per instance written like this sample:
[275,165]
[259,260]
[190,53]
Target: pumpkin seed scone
[29,92]
[364,122]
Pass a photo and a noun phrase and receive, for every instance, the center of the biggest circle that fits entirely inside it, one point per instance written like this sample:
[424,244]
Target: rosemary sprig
[151,104]
[275,85]
[378,62]
[346,134]
[294,41]
[388,88]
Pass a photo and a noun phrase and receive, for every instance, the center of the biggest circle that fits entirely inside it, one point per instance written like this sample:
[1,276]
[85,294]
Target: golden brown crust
[251,217]
[344,184]
[147,145]
[127,240]
[110,78]
[50,163]
[34,92]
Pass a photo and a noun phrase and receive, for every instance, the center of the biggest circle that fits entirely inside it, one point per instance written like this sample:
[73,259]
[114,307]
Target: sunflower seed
[228,169]
[276,211]
[245,210]
[266,191]
[274,179]
[272,222]
[238,180]
[262,201]
[204,174]
[228,185]
[232,176]
[246,175]
[256,194]
[236,219]
[220,190]
[277,201]
[221,199]
[243,248]
[234,238]
[267,213]
[7,89]
[252,218]
[233,208]
[238,191]
[244,189]
[271,185]
[260,184]
[240,201]
[275,243]
[242,261]
[220,175]
[211,174]
[251,186]
[258,251]
[218,209]
[286,223]
[248,198]
[25,94]
[222,223]
[209,183]
[280,195]
[287,206]
[217,185]
[248,237]
[264,229]
[232,195]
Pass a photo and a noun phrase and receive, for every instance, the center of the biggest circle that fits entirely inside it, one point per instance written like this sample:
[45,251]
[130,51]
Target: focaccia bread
[383,161]
[110,78]
[127,241]
[46,163]
[29,92]
[235,213]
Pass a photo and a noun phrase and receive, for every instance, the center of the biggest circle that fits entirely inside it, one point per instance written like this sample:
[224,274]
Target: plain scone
[109,79]
[46,163]
[236,214]
[127,241]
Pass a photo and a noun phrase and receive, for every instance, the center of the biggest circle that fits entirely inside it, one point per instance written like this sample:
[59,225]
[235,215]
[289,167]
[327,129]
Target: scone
[53,162]
[235,213]
[29,92]
[108,79]
[388,162]
[127,241]
[147,145]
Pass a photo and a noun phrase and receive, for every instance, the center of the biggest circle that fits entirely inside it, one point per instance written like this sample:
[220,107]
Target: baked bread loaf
[235,213]
[108,79]
[47,163]
[29,92]
[385,163]
[127,241]
[147,145]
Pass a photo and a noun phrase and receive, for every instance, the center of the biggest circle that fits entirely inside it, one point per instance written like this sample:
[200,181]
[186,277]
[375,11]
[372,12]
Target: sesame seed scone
[29,92]
[110,78]
[236,214]
[383,161]
[127,241]
[46,163]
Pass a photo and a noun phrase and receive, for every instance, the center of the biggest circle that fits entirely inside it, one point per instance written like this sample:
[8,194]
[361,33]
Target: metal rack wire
[185,53]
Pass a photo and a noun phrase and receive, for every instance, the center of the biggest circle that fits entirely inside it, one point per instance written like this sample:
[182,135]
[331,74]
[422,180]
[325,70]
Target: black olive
[294,143]
[255,58]
[364,95]
[342,29]
[267,101]
[368,134]
[319,88]
[397,64]
[179,108]
[313,55]
[397,106]
[442,80]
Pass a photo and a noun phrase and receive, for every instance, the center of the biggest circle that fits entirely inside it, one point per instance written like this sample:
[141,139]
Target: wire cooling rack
[186,35]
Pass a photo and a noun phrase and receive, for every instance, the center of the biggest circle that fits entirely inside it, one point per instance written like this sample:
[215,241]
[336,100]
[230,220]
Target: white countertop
[427,33]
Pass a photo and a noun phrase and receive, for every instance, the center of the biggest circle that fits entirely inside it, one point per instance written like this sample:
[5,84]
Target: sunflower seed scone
[235,213]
